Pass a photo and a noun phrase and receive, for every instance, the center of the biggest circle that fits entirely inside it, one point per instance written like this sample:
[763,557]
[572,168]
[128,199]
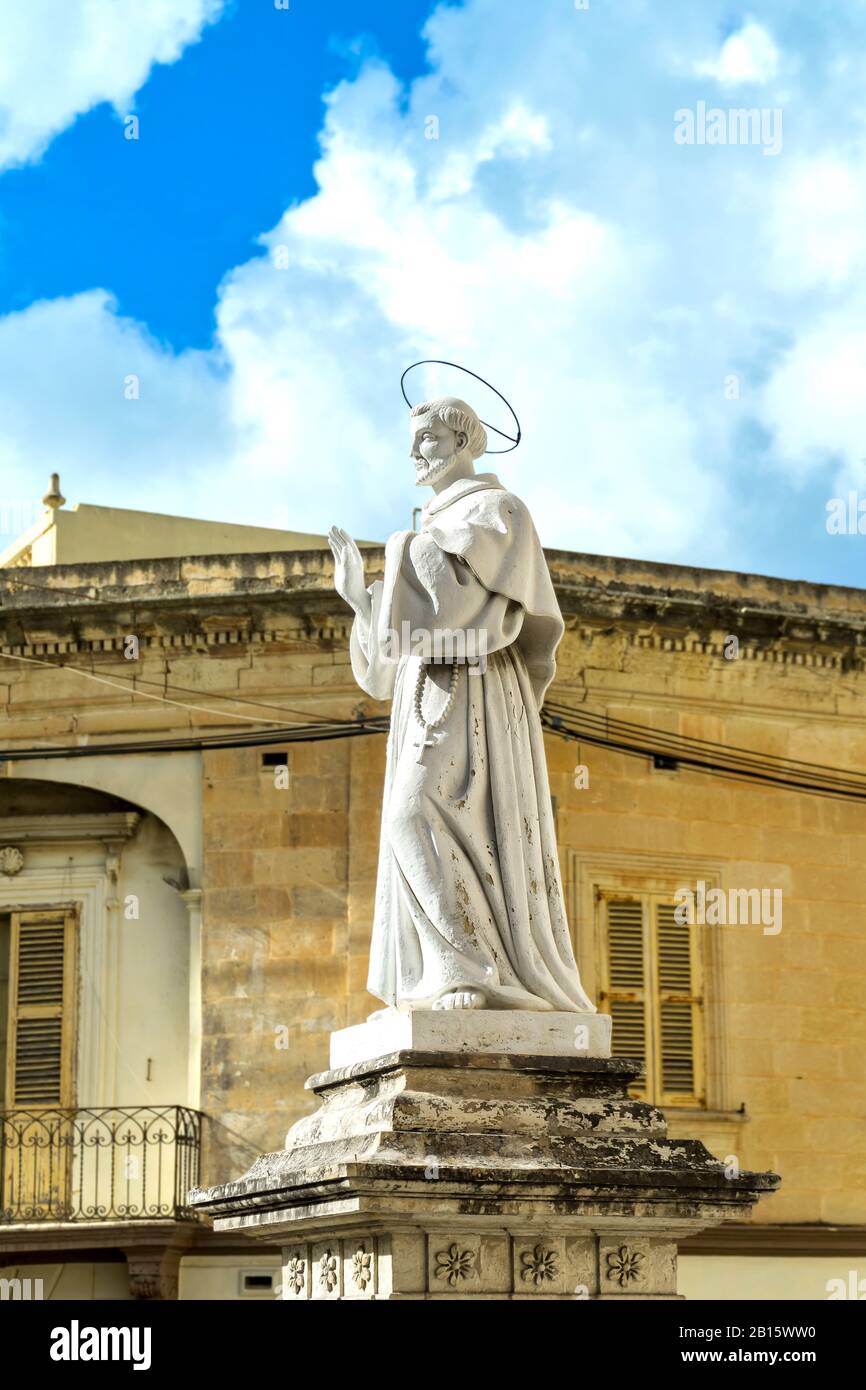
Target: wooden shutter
[41,1010]
[678,1009]
[652,989]
[626,995]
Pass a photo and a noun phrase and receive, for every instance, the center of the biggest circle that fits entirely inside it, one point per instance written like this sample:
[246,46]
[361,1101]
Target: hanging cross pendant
[423,743]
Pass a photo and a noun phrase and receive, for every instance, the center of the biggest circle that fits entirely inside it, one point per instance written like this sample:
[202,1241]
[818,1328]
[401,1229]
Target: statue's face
[435,448]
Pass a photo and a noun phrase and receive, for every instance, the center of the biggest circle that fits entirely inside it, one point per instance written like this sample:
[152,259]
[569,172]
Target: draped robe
[469,893]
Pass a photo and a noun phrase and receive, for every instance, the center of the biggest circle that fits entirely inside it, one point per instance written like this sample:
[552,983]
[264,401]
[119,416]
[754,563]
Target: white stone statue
[460,636]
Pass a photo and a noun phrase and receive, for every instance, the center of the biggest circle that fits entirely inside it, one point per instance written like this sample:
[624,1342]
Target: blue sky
[228,142]
[679,323]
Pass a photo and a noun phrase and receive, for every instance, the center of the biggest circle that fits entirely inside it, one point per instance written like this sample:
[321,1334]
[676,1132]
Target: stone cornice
[286,598]
[105,826]
[763,1238]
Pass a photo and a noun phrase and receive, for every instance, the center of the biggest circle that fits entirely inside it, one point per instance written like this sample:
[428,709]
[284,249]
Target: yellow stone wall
[289,878]
[792,1005]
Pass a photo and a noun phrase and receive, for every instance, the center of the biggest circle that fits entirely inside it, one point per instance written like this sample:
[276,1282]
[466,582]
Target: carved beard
[427,473]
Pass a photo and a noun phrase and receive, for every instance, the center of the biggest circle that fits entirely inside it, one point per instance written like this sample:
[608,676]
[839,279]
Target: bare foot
[461,999]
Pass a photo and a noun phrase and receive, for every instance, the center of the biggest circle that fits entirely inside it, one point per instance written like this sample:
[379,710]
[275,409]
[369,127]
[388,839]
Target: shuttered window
[652,990]
[39,1067]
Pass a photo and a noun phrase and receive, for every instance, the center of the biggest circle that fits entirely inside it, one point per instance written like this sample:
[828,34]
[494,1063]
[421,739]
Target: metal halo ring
[439,362]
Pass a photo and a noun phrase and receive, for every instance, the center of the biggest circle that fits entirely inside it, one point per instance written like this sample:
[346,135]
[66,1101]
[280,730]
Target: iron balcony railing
[119,1163]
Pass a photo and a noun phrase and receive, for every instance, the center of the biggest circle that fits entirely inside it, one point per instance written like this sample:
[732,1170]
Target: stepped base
[471,1174]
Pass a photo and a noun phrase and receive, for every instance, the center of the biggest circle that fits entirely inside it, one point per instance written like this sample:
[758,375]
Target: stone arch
[109,848]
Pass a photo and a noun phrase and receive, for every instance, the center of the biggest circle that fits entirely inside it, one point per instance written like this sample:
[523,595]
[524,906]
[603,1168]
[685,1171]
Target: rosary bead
[418,701]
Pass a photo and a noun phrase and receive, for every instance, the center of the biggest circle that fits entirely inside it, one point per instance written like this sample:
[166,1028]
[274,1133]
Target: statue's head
[447,436]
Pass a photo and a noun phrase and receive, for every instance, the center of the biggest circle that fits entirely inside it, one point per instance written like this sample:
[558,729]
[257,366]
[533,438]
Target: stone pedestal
[489,1173]
[482,1031]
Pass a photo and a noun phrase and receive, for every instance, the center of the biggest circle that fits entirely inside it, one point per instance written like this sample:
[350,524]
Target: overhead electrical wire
[292,733]
[702,755]
[168,685]
[697,755]
[233,699]
[144,694]
[575,722]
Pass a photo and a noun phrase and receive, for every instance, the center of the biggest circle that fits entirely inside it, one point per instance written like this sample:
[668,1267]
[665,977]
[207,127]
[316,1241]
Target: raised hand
[349,571]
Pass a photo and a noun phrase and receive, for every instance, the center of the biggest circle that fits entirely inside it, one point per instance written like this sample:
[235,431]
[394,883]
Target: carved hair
[457,415]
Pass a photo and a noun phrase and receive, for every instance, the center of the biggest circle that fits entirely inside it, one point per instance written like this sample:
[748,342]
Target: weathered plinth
[481,1175]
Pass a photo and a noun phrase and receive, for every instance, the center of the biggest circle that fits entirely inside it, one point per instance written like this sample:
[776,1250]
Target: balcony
[115,1164]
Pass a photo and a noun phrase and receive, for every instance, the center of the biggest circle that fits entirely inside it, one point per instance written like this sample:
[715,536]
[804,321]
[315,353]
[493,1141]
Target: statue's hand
[349,571]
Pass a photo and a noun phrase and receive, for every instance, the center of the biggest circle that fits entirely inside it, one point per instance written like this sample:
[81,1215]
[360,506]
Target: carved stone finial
[54,497]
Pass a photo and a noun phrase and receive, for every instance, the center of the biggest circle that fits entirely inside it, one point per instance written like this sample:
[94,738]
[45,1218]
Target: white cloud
[813,402]
[59,58]
[816,228]
[67,405]
[814,235]
[747,56]
[517,134]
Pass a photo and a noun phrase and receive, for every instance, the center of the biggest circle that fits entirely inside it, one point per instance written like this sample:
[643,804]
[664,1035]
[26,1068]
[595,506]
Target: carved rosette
[362,1268]
[539,1265]
[624,1266]
[11,861]
[296,1275]
[455,1264]
[328,1271]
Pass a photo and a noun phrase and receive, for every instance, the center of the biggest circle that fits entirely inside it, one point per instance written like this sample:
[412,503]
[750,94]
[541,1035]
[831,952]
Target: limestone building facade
[189,799]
